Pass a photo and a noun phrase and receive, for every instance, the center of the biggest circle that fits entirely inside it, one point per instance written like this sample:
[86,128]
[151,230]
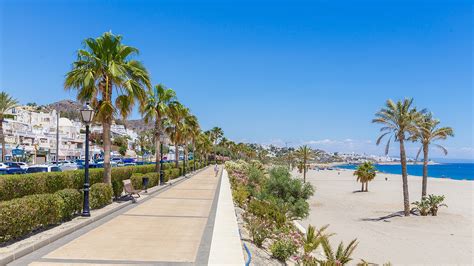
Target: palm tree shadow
[358,191]
[390,216]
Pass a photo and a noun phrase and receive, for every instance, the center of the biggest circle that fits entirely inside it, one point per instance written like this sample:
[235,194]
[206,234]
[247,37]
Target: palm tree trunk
[185,159]
[362,189]
[403,159]
[425,171]
[304,173]
[2,139]
[157,144]
[367,186]
[194,156]
[107,144]
[176,155]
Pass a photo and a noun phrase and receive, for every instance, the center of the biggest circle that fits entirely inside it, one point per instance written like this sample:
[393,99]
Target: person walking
[216,169]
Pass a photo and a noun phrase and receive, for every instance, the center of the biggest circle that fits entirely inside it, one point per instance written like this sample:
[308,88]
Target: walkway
[172,227]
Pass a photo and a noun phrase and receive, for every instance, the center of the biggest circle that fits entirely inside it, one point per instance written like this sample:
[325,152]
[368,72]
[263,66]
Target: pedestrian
[216,169]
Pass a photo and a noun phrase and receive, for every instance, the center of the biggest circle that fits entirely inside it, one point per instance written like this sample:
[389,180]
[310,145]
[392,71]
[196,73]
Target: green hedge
[72,202]
[21,216]
[17,186]
[100,195]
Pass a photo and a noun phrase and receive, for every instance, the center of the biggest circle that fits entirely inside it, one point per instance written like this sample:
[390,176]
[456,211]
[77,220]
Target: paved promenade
[174,226]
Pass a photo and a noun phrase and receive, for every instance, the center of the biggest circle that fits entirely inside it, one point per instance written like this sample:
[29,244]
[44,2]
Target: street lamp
[162,139]
[87,113]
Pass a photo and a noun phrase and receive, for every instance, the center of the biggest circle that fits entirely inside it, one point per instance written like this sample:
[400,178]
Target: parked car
[43,168]
[3,166]
[15,170]
[3,171]
[68,166]
[17,164]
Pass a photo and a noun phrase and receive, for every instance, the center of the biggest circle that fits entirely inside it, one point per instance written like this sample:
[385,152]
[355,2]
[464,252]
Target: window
[55,169]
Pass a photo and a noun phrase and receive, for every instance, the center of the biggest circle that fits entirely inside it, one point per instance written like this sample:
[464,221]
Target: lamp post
[161,160]
[87,114]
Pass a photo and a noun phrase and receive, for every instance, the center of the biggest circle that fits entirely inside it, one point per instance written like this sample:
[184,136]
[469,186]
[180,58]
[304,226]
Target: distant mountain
[67,108]
[71,109]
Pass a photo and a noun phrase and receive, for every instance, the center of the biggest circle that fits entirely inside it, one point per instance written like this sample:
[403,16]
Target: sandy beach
[445,239]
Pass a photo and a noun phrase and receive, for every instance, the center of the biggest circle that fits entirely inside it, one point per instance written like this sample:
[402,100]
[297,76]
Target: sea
[458,171]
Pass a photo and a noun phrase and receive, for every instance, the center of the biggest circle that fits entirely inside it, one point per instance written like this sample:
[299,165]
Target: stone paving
[168,228]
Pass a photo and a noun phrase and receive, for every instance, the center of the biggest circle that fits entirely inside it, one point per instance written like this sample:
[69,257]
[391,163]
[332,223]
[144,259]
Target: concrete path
[172,227]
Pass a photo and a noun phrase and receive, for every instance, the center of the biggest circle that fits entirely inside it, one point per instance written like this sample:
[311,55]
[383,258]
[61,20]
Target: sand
[444,239]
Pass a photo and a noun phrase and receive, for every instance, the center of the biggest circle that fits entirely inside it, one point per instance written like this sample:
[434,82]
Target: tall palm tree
[304,155]
[103,65]
[216,134]
[157,108]
[398,120]
[175,131]
[193,131]
[365,173]
[6,103]
[204,146]
[427,132]
[190,128]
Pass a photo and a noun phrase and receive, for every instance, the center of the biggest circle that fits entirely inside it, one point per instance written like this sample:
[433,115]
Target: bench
[130,191]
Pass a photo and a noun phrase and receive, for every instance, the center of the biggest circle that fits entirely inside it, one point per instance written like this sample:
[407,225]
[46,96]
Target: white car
[68,166]
[42,168]
[3,166]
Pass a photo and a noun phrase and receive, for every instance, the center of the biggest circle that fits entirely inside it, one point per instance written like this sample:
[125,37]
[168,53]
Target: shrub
[435,202]
[258,228]
[268,211]
[342,255]
[100,195]
[21,216]
[72,202]
[283,249]
[17,186]
[240,195]
[287,193]
[422,206]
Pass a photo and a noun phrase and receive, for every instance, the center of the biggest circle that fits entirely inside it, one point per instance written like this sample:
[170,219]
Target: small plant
[283,249]
[342,255]
[313,238]
[258,228]
[429,205]
[240,195]
[435,202]
[422,206]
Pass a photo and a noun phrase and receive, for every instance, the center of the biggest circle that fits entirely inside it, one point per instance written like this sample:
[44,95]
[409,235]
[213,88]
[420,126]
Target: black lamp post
[87,113]
[161,160]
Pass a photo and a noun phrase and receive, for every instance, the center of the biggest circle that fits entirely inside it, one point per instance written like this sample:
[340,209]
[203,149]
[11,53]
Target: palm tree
[397,120]
[176,117]
[103,65]
[204,146]
[365,173]
[304,154]
[157,108]
[216,134]
[427,132]
[193,132]
[6,103]
[190,129]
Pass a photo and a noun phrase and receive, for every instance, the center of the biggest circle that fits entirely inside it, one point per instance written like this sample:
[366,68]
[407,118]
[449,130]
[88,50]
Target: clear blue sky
[268,72]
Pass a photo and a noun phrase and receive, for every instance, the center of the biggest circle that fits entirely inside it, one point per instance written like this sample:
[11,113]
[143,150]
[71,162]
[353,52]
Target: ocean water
[458,171]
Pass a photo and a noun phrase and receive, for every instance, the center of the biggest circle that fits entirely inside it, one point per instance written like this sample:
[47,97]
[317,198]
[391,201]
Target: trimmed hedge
[22,216]
[100,195]
[72,202]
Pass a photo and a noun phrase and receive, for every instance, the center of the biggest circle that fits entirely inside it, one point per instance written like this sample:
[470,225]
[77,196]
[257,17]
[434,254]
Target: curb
[20,252]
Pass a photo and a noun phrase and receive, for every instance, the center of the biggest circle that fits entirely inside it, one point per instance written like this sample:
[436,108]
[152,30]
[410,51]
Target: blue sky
[268,71]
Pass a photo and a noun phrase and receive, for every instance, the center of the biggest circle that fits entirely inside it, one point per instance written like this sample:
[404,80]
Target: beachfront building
[30,135]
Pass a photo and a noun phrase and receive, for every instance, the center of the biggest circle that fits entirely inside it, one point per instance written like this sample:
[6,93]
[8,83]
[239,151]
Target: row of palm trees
[106,74]
[402,122]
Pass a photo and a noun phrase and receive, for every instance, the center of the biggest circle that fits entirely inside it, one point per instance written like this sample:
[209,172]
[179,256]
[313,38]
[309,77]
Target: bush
[283,249]
[22,216]
[240,195]
[268,211]
[72,202]
[100,195]
[17,186]
[258,228]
